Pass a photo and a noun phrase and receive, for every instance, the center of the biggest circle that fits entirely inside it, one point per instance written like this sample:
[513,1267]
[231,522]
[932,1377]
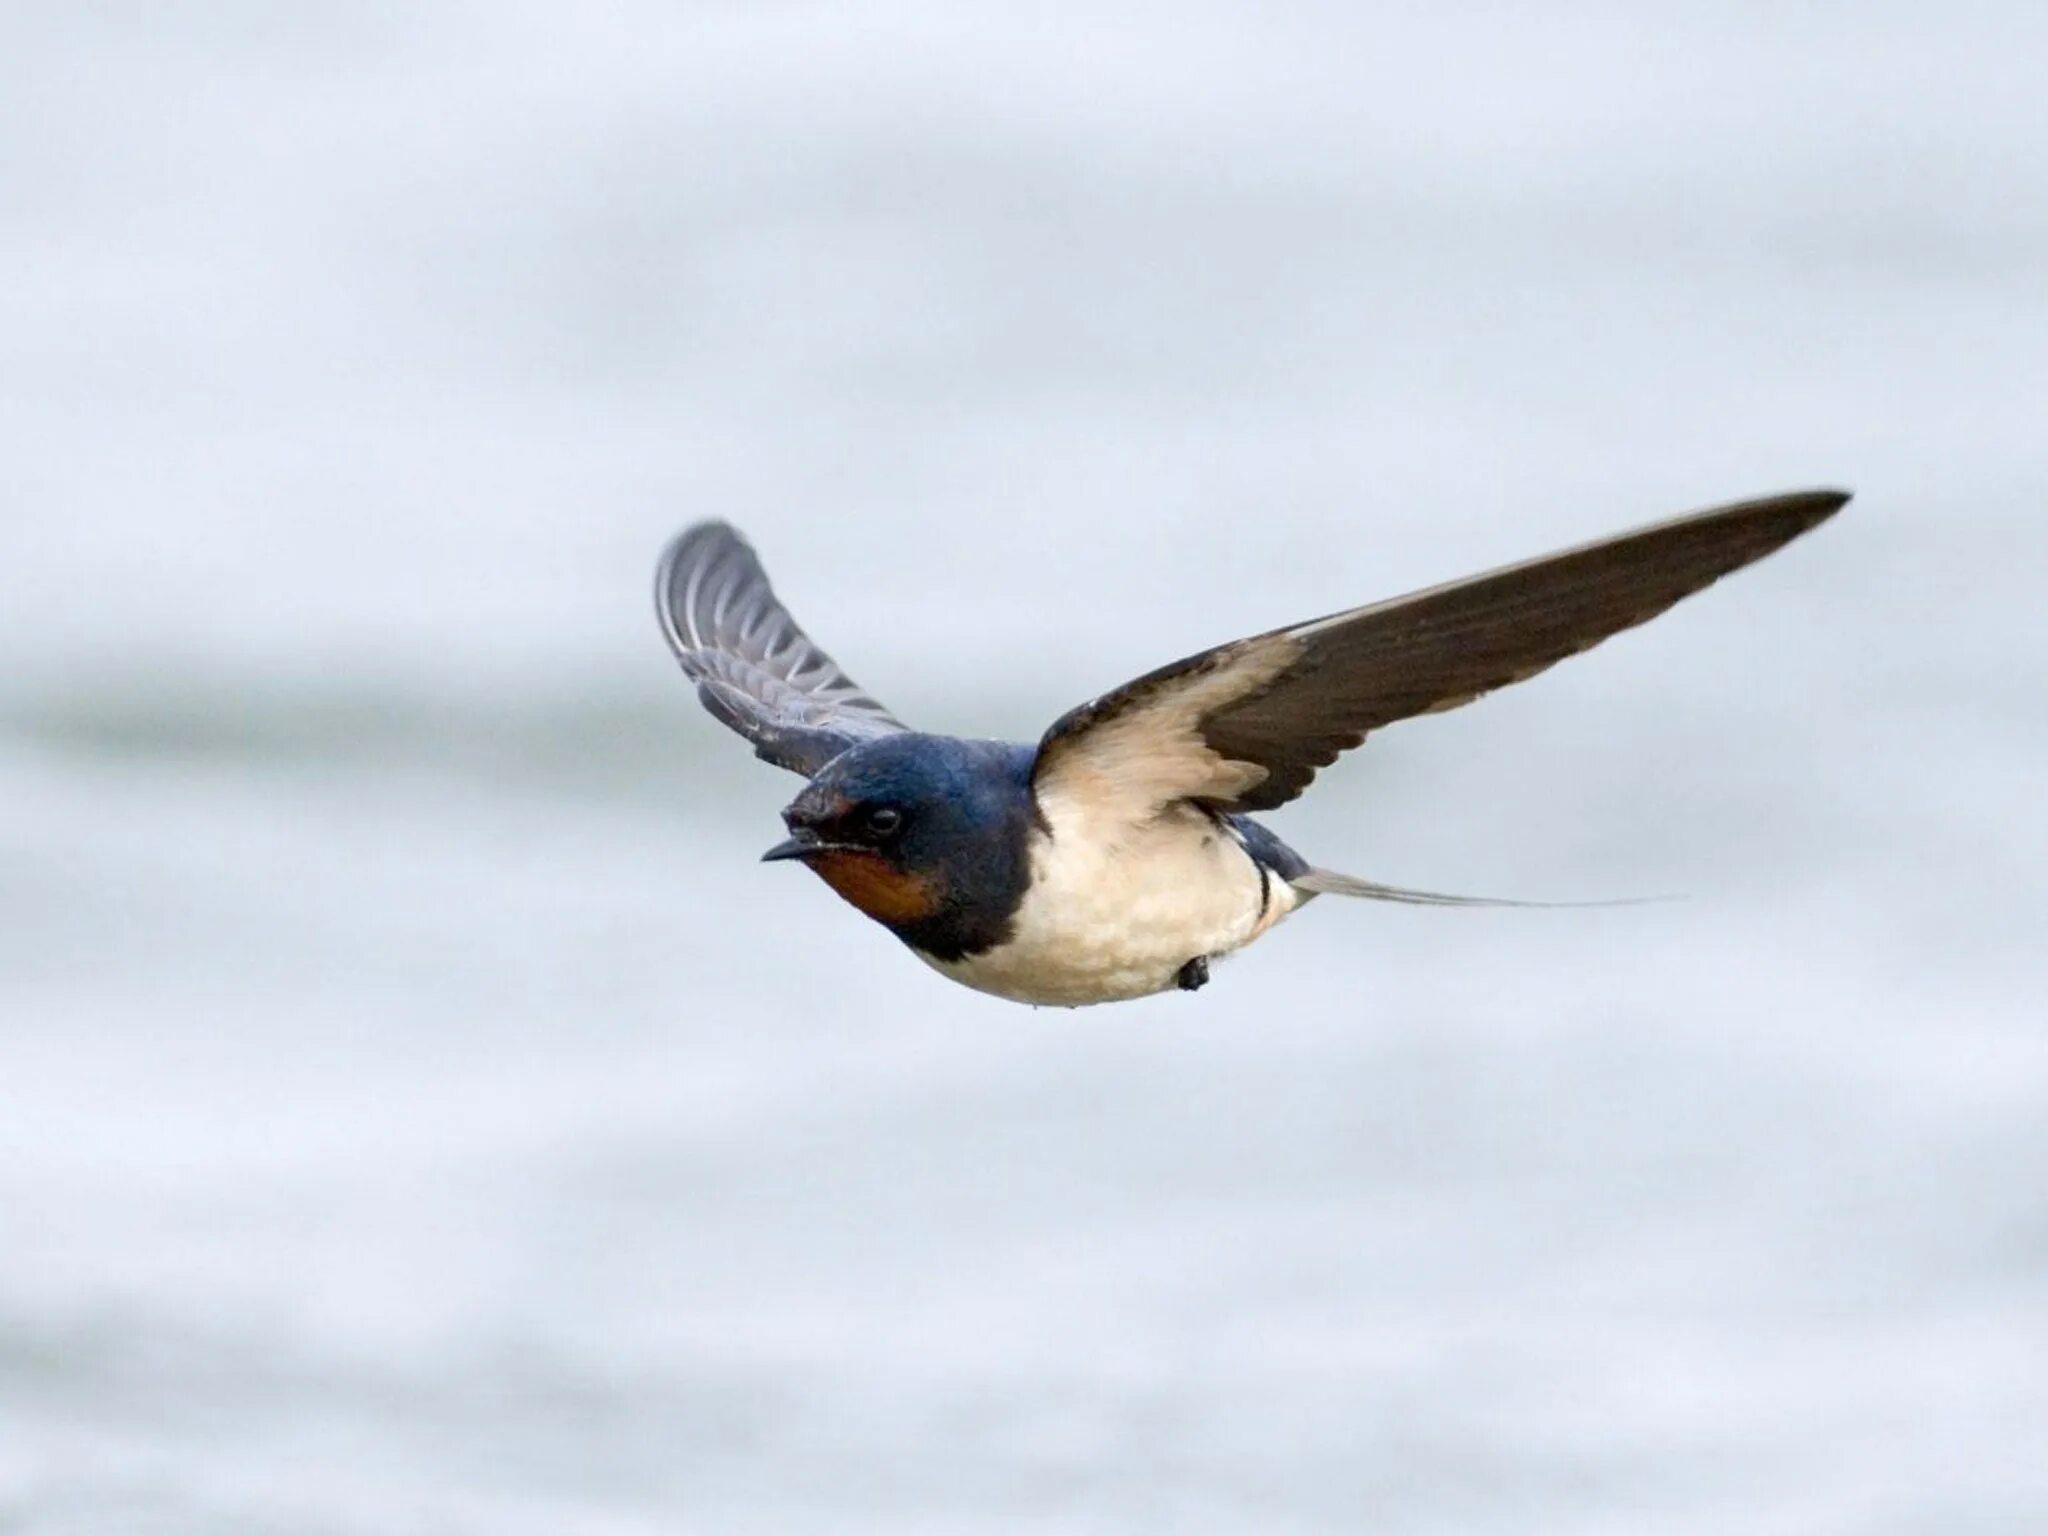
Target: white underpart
[1114,911]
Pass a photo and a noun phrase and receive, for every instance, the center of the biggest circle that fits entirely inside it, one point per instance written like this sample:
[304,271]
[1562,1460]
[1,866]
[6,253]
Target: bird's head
[910,828]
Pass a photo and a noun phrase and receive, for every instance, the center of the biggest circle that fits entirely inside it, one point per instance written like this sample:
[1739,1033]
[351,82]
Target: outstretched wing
[1245,726]
[754,668]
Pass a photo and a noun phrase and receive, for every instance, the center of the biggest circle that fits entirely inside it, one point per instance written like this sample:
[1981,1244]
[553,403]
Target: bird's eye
[884,819]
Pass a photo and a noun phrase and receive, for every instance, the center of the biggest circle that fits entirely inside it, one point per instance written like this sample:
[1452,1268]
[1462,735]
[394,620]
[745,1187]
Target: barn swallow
[1117,856]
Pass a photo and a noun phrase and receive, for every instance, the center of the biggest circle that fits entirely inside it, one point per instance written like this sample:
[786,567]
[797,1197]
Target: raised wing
[1245,726]
[754,668]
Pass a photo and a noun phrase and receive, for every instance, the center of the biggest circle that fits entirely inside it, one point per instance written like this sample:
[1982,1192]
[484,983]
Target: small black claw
[1193,976]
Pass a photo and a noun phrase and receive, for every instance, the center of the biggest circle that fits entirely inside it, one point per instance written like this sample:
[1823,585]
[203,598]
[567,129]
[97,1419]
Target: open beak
[800,844]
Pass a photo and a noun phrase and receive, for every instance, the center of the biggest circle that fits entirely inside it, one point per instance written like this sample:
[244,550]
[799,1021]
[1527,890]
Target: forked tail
[1327,882]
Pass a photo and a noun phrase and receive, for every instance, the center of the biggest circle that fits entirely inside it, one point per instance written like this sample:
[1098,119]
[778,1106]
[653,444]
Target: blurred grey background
[419,1112]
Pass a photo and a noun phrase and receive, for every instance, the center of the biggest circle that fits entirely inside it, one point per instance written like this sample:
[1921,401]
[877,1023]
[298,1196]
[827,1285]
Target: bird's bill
[804,845]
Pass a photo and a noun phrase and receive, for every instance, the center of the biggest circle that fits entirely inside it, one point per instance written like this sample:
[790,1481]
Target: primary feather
[1245,726]
[755,668]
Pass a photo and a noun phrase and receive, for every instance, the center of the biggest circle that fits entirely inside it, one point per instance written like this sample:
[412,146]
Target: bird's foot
[1193,976]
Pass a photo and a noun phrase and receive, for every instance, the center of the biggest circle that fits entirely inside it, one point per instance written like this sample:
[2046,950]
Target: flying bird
[1118,856]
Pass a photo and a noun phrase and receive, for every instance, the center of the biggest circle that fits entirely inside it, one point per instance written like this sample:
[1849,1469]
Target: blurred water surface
[419,1112]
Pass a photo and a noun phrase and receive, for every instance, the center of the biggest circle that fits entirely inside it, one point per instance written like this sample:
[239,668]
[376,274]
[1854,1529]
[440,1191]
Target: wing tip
[691,542]
[1749,530]
[1823,501]
[1804,510]
[696,545]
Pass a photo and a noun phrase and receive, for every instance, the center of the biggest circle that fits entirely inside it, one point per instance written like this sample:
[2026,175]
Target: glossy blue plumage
[967,818]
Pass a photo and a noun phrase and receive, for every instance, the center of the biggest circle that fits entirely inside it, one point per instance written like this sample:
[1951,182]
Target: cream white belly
[1110,919]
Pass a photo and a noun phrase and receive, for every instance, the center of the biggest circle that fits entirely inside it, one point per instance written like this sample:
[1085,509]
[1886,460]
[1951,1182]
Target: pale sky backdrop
[419,1112]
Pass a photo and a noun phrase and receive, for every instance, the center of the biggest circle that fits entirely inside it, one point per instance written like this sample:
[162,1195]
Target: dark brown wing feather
[1247,725]
[755,669]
